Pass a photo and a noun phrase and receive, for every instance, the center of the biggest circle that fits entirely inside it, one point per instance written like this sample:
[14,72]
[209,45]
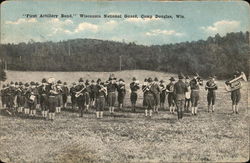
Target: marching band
[50,95]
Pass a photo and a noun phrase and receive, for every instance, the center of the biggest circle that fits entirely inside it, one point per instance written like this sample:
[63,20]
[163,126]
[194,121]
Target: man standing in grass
[134,86]
[180,88]
[211,95]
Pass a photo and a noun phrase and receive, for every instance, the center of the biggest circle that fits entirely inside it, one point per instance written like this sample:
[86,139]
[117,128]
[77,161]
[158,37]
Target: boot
[150,113]
[59,109]
[170,109]
[192,110]
[113,109]
[110,110]
[213,108]
[87,108]
[236,109]
[34,112]
[45,114]
[97,115]
[195,110]
[101,114]
[233,108]
[173,109]
[146,112]
[52,116]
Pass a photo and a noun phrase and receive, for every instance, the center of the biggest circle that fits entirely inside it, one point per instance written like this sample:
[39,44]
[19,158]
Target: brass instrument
[171,89]
[79,93]
[211,86]
[103,88]
[148,86]
[234,84]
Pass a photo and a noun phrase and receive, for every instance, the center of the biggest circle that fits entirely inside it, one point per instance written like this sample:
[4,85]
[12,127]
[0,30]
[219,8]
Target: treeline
[217,55]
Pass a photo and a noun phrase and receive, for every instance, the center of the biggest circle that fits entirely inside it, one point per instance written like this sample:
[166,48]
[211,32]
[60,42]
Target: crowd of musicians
[50,96]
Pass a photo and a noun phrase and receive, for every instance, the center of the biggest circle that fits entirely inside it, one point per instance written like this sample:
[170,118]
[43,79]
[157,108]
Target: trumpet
[148,86]
[79,93]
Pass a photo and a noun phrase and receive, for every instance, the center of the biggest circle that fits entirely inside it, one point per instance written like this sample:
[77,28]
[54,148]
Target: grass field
[126,136]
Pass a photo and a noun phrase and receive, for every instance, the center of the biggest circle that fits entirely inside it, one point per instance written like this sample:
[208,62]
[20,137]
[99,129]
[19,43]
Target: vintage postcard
[124,81]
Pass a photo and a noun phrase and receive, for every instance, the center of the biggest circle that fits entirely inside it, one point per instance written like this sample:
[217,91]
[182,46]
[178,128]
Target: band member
[20,97]
[162,94]
[26,104]
[3,96]
[170,91]
[100,99]
[195,84]
[72,92]
[15,98]
[52,99]
[43,91]
[111,89]
[235,94]
[180,88]
[80,98]
[59,96]
[156,90]
[32,98]
[87,95]
[211,95]
[93,92]
[134,86]
[65,93]
[11,93]
[145,83]
[121,93]
[187,94]
[149,98]
[38,105]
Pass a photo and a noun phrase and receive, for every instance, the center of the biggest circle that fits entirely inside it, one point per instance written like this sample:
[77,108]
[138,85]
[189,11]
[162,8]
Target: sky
[201,20]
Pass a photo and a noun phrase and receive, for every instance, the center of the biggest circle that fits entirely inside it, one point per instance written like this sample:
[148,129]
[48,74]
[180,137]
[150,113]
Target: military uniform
[93,92]
[121,92]
[65,93]
[162,94]
[170,90]
[143,87]
[187,95]
[211,94]
[134,87]
[87,95]
[111,89]
[156,90]
[80,100]
[20,97]
[11,93]
[149,98]
[72,92]
[52,98]
[100,99]
[43,91]
[195,87]
[179,92]
[3,96]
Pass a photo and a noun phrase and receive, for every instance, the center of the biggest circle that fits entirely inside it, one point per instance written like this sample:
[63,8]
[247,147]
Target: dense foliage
[216,55]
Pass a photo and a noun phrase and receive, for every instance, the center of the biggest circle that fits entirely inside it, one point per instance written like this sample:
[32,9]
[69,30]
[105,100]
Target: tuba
[234,84]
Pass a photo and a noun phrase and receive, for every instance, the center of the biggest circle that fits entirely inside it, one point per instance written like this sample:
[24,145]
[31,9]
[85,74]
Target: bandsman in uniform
[111,89]
[11,93]
[3,96]
[31,96]
[134,87]
[80,98]
[26,94]
[187,94]
[43,90]
[87,95]
[170,91]
[235,94]
[93,92]
[65,93]
[52,99]
[72,92]
[15,98]
[59,96]
[156,90]
[145,83]
[121,93]
[20,97]
[211,87]
[149,98]
[180,88]
[195,84]
[100,99]
[38,97]
[162,94]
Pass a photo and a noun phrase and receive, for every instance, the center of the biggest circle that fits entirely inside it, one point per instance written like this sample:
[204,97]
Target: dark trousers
[180,105]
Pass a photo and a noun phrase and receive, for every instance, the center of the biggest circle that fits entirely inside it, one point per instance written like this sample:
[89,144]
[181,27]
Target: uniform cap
[162,81]
[92,81]
[80,80]
[134,79]
[156,79]
[73,83]
[11,82]
[20,83]
[121,80]
[98,80]
[4,86]
[59,82]
[32,83]
[64,83]
[27,84]
[172,79]
[145,80]
[44,80]
[150,80]
[187,77]
[16,83]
